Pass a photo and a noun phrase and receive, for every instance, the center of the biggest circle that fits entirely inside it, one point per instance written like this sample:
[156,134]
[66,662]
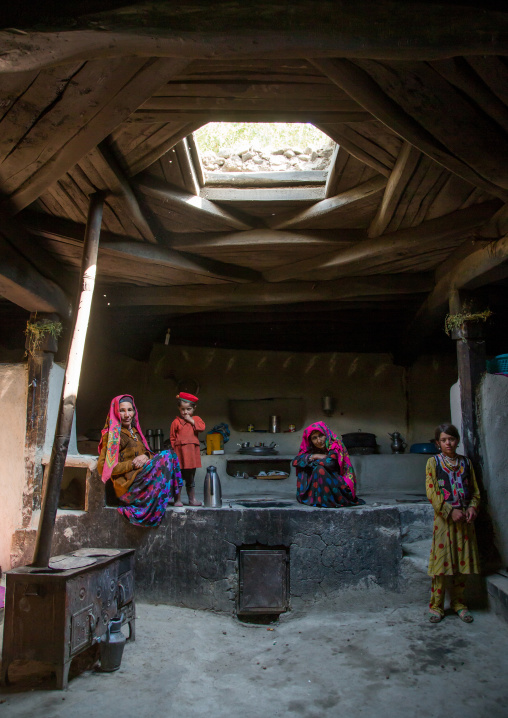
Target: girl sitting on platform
[325,476]
[184,440]
[453,492]
[144,483]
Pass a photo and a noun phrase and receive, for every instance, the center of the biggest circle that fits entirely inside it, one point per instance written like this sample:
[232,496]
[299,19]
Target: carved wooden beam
[197,206]
[23,285]
[264,293]
[387,30]
[330,205]
[390,246]
[266,239]
[397,182]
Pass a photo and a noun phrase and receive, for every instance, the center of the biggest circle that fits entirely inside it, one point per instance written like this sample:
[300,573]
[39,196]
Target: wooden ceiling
[418,182]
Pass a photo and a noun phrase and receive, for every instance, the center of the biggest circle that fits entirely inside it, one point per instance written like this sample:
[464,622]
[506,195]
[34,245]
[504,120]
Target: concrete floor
[378,660]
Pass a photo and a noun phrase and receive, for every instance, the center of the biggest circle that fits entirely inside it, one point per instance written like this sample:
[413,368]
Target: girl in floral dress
[453,492]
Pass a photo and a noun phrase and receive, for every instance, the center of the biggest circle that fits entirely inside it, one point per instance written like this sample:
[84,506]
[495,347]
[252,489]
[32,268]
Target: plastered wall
[372,394]
[13,394]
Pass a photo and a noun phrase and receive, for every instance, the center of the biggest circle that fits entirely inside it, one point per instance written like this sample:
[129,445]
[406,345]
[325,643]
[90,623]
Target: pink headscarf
[112,429]
[333,443]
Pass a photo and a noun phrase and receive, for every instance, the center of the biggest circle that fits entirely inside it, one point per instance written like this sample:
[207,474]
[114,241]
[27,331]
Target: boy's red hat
[187,397]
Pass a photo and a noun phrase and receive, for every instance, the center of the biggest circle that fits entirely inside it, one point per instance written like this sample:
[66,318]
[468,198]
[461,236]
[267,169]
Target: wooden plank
[218,89]
[387,30]
[458,124]
[267,195]
[330,205]
[259,293]
[329,102]
[358,146]
[186,163]
[389,246]
[265,179]
[142,157]
[196,159]
[34,91]
[401,174]
[360,85]
[174,197]
[265,239]
[127,191]
[350,172]
[115,107]
[271,114]
[23,285]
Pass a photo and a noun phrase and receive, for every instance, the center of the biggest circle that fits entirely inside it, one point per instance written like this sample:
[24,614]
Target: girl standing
[453,492]
[184,440]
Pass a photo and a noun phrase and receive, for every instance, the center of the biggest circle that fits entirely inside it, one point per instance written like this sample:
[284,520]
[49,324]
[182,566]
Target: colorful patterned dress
[454,548]
[327,482]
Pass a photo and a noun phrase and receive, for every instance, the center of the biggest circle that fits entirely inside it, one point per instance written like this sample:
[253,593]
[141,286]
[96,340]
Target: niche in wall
[243,412]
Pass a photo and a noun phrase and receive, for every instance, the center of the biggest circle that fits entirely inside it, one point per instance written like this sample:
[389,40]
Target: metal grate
[263,581]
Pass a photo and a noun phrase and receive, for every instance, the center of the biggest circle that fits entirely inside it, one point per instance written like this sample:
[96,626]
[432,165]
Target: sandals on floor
[435,617]
[465,616]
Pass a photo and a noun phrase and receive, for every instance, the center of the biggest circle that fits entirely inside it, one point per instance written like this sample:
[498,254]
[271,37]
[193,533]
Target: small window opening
[261,147]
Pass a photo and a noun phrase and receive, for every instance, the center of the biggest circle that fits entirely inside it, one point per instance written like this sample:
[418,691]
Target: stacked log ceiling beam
[360,147]
[360,85]
[264,293]
[282,112]
[22,284]
[330,205]
[127,191]
[185,201]
[130,87]
[62,230]
[401,174]
[388,30]
[70,386]
[354,259]
[486,265]
[143,156]
[196,159]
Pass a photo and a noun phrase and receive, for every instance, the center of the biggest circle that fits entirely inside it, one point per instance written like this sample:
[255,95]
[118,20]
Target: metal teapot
[398,444]
[111,645]
[212,490]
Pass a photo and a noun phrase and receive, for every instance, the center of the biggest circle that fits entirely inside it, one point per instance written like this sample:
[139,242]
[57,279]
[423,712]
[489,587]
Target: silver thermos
[212,490]
[274,424]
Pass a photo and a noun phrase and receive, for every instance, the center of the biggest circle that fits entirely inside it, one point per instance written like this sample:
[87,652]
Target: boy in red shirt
[184,440]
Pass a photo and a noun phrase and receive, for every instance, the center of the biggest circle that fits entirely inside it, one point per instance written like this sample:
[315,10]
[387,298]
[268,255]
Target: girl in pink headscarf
[144,483]
[325,476]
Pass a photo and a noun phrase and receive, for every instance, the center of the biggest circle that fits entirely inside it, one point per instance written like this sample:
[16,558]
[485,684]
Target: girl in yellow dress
[453,492]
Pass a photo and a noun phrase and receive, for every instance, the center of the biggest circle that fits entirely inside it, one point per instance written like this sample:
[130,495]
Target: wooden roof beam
[362,87]
[401,174]
[265,293]
[486,265]
[354,259]
[127,191]
[23,285]
[330,205]
[197,206]
[115,109]
[388,30]
[360,147]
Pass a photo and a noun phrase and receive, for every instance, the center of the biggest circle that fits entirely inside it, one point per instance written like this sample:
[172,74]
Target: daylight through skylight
[263,147]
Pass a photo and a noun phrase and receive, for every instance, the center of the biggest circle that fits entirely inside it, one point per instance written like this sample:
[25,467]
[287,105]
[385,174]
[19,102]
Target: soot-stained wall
[371,393]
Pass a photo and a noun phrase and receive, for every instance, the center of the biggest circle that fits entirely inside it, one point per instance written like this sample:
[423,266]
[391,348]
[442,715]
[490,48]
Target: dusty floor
[380,663]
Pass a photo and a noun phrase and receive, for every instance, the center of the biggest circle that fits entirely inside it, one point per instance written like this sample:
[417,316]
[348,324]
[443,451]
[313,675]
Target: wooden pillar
[39,368]
[471,364]
[70,383]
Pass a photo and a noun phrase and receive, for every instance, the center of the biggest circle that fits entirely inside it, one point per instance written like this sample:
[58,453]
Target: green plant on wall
[37,330]
[455,321]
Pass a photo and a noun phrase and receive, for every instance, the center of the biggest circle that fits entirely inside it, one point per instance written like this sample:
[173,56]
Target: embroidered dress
[144,492]
[158,483]
[327,482]
[454,549]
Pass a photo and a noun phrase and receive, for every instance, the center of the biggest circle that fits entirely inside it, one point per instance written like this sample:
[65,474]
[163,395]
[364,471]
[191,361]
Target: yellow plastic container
[214,442]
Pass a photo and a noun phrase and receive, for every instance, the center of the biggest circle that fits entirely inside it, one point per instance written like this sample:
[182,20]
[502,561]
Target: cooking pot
[359,439]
